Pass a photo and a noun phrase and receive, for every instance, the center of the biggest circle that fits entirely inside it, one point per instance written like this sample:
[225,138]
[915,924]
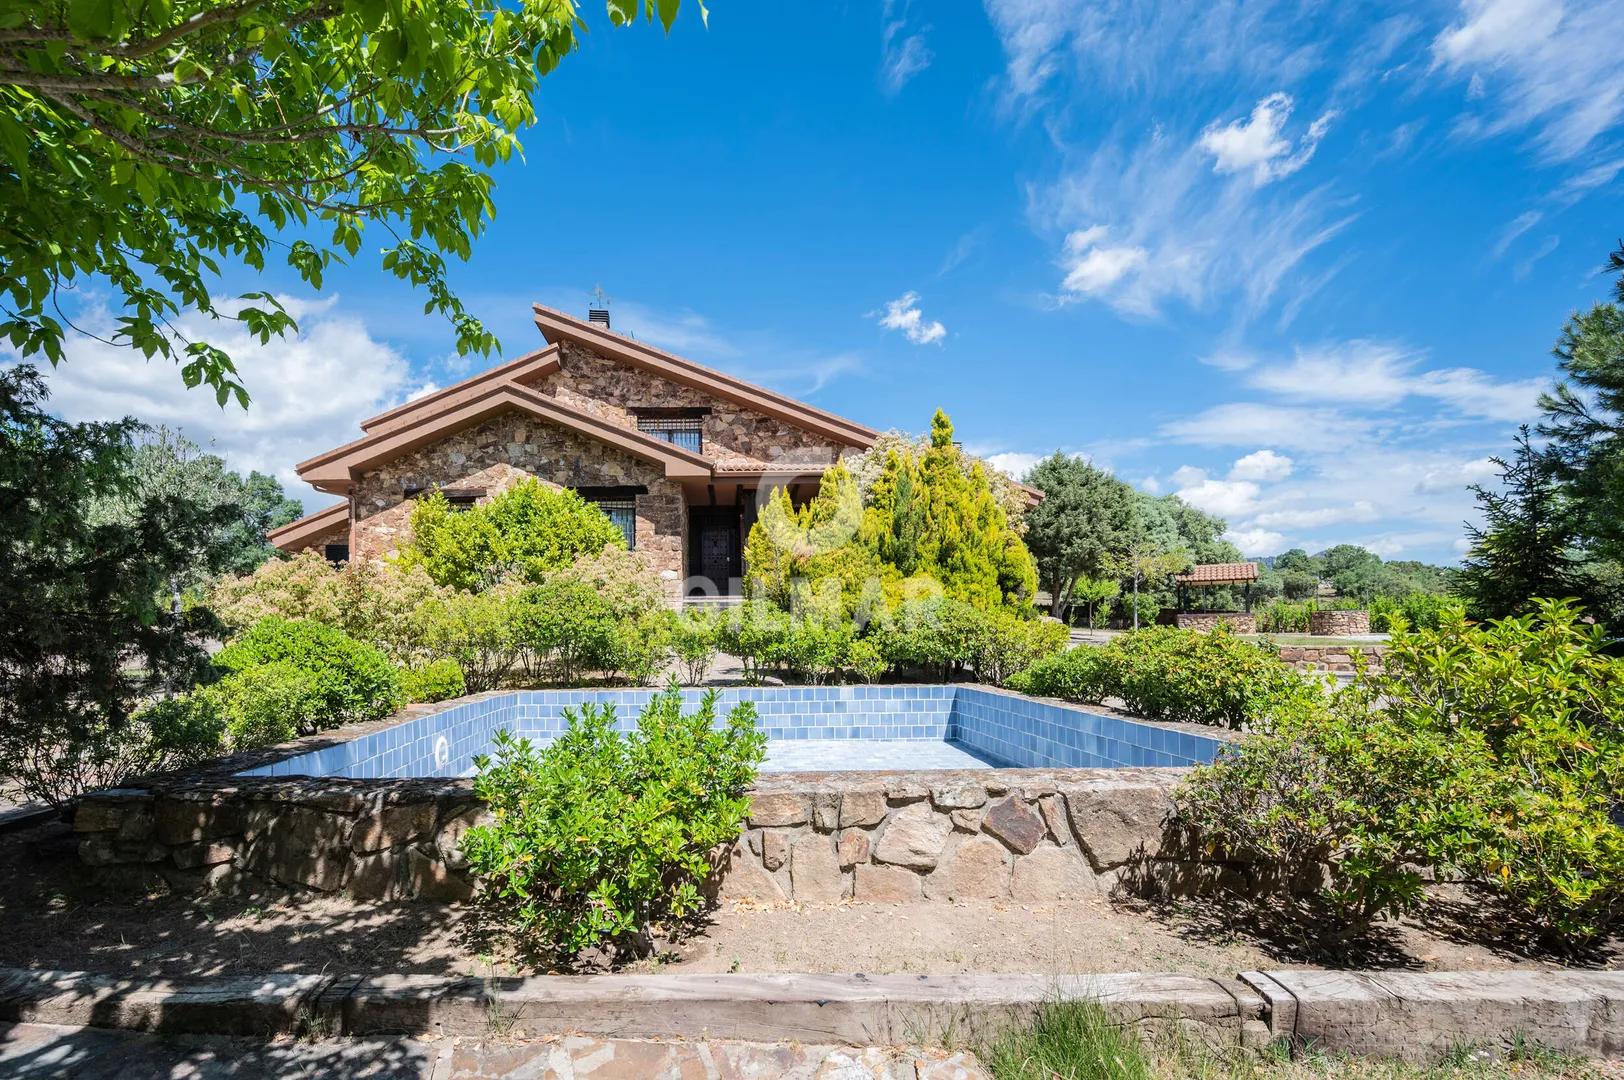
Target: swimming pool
[808,728]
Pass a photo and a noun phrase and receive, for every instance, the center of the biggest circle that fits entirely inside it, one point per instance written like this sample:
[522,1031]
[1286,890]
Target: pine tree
[1524,549]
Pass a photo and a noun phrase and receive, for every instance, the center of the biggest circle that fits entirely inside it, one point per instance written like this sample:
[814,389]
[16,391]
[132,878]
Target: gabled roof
[310,526]
[1229,573]
[556,326]
[335,470]
[526,369]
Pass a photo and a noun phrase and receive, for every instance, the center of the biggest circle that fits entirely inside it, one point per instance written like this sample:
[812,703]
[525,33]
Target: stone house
[676,454]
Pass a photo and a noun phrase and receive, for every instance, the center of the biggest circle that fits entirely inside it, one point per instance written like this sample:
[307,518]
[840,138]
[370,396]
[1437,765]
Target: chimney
[597,309]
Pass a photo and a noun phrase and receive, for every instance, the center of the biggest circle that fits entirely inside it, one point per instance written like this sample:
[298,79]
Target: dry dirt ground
[56,917]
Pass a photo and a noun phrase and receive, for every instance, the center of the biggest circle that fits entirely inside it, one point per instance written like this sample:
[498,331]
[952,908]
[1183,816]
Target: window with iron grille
[623,512]
[457,500]
[683,431]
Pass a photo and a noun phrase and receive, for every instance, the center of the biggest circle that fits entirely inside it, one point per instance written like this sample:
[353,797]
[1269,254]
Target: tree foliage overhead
[145,142]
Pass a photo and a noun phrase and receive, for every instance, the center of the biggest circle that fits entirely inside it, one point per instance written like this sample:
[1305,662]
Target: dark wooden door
[716,550]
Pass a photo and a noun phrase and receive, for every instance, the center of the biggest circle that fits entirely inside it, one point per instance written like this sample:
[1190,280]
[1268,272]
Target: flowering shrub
[601,837]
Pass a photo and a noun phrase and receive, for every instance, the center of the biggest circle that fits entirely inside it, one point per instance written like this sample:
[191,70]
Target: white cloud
[1456,476]
[1248,423]
[903,54]
[1226,498]
[1515,228]
[1549,67]
[309,391]
[1258,144]
[1091,267]
[903,314]
[1358,510]
[1254,542]
[1376,373]
[1263,465]
[1013,463]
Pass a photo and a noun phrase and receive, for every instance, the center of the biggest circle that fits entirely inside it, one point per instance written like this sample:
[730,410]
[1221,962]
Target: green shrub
[173,733]
[755,632]
[601,836]
[437,680]
[1543,694]
[1085,674]
[1488,752]
[525,532]
[1164,673]
[572,629]
[266,704]
[817,649]
[1005,643]
[695,641]
[353,681]
[1285,616]
[1420,611]
[865,661]
[482,633]
[937,636]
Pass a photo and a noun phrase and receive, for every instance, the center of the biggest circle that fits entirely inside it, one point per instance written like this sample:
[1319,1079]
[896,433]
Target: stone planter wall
[1338,623]
[1241,622]
[1335,659]
[1020,834]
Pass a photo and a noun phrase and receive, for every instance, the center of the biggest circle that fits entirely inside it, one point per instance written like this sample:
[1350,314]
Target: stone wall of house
[1241,622]
[1338,623]
[732,434]
[499,452]
[1025,835]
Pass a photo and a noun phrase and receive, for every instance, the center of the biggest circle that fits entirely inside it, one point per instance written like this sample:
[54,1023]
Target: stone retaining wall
[1240,622]
[1338,623]
[1021,834]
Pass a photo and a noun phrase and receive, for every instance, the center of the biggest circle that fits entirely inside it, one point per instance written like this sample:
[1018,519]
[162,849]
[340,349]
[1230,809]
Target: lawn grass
[1077,1040]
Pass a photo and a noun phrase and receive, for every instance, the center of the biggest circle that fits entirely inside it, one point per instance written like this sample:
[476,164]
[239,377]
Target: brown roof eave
[296,532]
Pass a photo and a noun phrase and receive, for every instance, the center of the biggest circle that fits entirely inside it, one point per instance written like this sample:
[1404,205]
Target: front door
[714,547]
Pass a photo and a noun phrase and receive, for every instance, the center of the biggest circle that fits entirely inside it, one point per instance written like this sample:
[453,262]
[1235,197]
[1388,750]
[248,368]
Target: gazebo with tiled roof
[1216,575]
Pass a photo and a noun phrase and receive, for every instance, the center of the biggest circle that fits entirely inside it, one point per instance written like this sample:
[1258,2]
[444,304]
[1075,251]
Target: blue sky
[1301,262]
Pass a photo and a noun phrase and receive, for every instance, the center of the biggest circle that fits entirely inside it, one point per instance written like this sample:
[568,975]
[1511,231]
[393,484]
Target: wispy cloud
[903,314]
[903,53]
[1538,65]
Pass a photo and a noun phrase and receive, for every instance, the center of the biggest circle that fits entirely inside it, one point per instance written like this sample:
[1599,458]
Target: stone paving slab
[51,1052]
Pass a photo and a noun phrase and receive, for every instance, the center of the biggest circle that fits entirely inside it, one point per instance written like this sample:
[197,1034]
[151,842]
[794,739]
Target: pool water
[808,728]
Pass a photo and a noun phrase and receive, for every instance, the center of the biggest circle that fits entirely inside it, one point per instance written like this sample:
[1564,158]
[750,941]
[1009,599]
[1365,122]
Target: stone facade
[339,534]
[491,457]
[1338,623]
[1026,835]
[732,435]
[1241,622]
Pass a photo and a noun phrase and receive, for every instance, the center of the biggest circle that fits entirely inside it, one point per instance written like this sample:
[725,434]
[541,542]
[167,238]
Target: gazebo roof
[1232,573]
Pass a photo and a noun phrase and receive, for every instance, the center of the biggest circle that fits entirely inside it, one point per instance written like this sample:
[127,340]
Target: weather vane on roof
[600,299]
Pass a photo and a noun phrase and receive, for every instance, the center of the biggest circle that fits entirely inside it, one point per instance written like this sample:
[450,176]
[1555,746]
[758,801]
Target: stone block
[914,836]
[905,787]
[978,869]
[448,841]
[1114,820]
[814,869]
[1016,824]
[392,826]
[853,847]
[1052,873]
[182,821]
[774,848]
[1053,808]
[862,807]
[887,885]
[967,820]
[427,877]
[959,795]
[376,876]
[744,878]
[826,810]
[779,808]
[203,853]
